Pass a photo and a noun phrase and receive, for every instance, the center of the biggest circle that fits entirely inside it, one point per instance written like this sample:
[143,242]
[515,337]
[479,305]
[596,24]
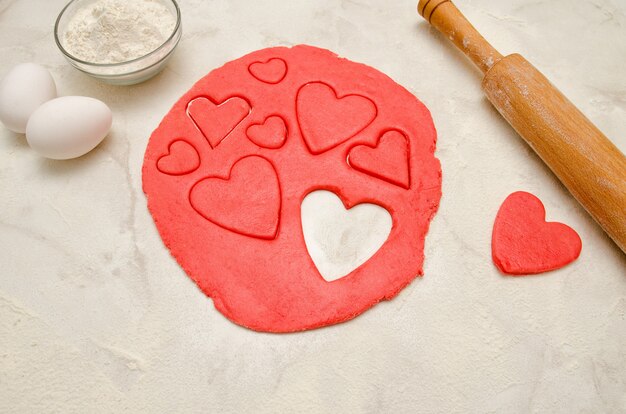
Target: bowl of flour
[120,42]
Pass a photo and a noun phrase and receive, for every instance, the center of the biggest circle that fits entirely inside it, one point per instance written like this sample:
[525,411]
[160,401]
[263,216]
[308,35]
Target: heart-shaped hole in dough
[340,240]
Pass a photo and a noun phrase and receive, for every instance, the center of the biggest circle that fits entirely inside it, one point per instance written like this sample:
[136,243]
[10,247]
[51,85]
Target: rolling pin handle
[444,15]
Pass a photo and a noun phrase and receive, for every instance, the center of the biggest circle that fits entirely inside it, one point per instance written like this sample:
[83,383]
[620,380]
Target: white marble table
[95,316]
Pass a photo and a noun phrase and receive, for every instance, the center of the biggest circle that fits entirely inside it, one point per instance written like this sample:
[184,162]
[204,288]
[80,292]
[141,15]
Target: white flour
[114,31]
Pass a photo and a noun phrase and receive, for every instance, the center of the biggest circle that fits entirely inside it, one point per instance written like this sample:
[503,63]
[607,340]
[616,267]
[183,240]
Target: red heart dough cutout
[272,133]
[181,158]
[524,243]
[216,121]
[327,119]
[234,223]
[247,202]
[388,160]
[271,71]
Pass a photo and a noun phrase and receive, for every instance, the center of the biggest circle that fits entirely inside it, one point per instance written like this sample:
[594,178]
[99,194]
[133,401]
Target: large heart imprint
[247,202]
[327,120]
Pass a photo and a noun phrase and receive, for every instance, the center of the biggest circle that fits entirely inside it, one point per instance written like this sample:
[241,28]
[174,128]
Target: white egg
[22,91]
[68,127]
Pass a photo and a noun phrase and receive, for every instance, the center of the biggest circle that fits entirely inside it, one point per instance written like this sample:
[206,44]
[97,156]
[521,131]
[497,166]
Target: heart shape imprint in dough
[388,160]
[327,120]
[340,240]
[272,133]
[524,243]
[181,158]
[247,202]
[216,121]
[271,71]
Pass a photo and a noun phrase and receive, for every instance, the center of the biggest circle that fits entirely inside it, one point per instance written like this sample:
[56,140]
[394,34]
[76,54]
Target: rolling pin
[586,162]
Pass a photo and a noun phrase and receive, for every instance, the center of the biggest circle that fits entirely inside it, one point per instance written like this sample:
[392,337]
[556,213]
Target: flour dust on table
[229,167]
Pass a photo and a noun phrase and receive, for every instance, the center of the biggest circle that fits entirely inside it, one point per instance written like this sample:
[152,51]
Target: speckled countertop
[95,316]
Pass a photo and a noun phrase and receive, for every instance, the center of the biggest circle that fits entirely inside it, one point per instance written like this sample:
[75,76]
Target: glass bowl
[123,73]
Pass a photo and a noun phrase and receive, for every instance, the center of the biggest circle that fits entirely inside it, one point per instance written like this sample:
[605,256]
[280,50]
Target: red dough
[524,243]
[234,222]
[388,160]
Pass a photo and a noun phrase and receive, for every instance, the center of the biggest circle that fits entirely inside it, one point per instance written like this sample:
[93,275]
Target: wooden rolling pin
[586,162]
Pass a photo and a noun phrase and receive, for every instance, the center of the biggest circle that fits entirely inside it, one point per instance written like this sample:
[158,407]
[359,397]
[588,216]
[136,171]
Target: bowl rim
[117,64]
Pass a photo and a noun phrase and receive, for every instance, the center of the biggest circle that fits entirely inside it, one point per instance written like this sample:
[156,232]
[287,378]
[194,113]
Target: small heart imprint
[216,121]
[181,158]
[340,240]
[272,71]
[524,243]
[272,133]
